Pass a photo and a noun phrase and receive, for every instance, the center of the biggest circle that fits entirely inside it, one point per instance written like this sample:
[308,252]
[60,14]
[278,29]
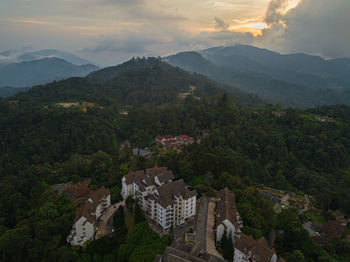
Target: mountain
[41,71]
[293,80]
[6,91]
[302,69]
[12,56]
[138,81]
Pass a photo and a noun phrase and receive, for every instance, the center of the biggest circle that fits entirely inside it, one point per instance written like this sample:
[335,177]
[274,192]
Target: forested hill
[297,80]
[138,81]
[134,63]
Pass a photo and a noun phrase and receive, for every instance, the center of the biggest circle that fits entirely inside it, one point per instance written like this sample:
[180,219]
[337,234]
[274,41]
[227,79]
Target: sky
[111,31]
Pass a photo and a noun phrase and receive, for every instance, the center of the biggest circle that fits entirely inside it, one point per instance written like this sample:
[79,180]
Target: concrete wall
[239,256]
[127,190]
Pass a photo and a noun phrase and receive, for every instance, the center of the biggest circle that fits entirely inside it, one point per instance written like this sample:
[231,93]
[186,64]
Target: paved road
[105,225]
[210,238]
[201,227]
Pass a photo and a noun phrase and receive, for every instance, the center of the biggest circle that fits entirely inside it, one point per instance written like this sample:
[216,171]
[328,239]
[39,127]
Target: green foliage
[142,245]
[227,246]
[240,147]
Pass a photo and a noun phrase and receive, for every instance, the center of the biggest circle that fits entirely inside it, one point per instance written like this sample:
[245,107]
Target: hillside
[35,72]
[45,143]
[293,80]
[7,91]
[136,82]
[299,68]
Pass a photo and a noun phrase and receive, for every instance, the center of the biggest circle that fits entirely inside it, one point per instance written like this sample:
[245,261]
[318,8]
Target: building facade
[226,215]
[90,207]
[167,202]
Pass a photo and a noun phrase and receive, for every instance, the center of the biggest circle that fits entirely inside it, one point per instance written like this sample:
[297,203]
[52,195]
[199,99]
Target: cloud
[126,43]
[220,24]
[275,10]
[319,27]
[30,21]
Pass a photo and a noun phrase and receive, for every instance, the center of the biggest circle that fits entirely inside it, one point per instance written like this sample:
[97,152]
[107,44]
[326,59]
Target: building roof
[88,207]
[132,176]
[165,177]
[331,230]
[226,207]
[77,191]
[176,255]
[180,252]
[259,249]
[167,192]
[140,176]
[342,220]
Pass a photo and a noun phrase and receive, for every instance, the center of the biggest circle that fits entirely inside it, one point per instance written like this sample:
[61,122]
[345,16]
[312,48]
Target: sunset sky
[110,31]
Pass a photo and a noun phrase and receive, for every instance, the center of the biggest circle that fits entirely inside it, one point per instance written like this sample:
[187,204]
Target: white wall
[220,229]
[82,226]
[239,256]
[274,258]
[127,190]
[190,207]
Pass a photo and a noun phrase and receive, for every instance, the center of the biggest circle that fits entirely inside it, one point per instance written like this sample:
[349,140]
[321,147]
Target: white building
[90,206]
[228,220]
[227,217]
[164,201]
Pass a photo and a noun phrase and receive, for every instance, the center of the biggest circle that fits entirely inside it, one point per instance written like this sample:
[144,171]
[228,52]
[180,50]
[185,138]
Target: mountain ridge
[297,80]
[41,71]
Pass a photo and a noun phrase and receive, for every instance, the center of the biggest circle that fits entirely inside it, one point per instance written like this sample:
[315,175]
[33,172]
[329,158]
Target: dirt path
[307,206]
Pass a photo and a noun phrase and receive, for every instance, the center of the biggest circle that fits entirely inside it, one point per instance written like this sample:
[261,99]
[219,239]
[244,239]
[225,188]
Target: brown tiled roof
[172,254]
[257,248]
[99,194]
[166,176]
[331,229]
[89,207]
[77,191]
[138,176]
[342,220]
[226,207]
[131,176]
[168,191]
[263,242]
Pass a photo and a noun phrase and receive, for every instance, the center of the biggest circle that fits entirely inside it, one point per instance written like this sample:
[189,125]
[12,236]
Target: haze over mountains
[136,82]
[297,80]
[13,56]
[294,80]
[19,70]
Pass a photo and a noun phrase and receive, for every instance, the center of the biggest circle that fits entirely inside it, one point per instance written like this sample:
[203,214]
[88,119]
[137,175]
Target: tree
[139,214]
[227,246]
